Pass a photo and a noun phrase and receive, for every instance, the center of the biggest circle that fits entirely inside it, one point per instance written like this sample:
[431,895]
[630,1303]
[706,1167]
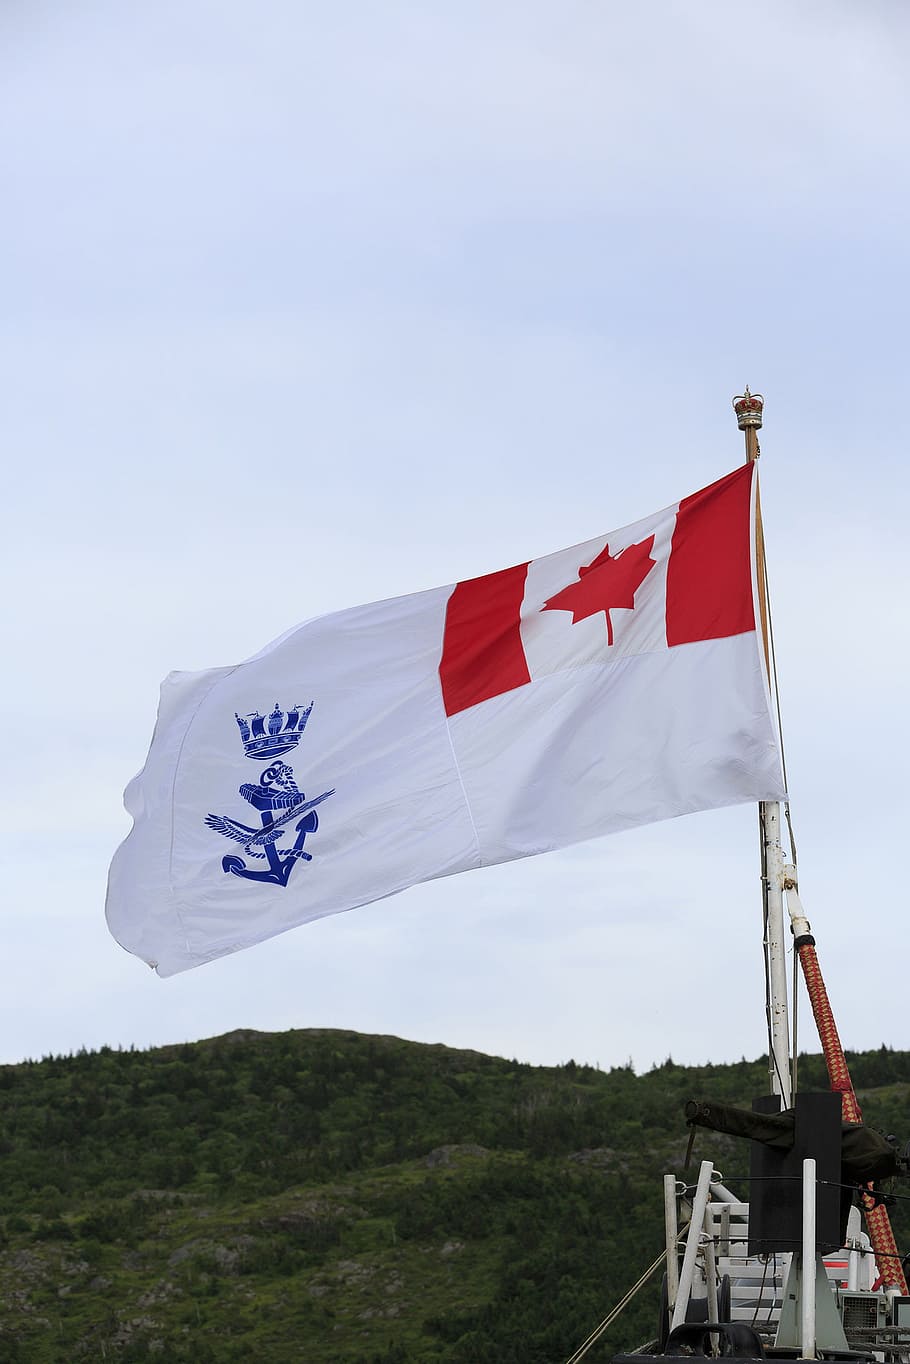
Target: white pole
[853,1269]
[854,1260]
[748,408]
[779,1060]
[807,1268]
[687,1273]
[672,1231]
[721,1194]
[710,1265]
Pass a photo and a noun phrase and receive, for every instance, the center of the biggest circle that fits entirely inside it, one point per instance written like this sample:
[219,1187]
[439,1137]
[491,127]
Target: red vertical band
[482,653]
[709,575]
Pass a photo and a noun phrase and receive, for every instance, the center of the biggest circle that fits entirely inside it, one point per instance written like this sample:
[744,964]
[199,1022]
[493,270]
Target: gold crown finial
[748,408]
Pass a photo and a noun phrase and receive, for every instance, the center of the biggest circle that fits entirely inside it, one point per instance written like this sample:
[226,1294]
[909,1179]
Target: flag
[609,685]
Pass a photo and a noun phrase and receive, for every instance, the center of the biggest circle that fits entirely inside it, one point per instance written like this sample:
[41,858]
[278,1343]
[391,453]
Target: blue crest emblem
[283,809]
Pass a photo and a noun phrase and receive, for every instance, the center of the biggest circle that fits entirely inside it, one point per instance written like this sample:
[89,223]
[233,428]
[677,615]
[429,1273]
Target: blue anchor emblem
[275,796]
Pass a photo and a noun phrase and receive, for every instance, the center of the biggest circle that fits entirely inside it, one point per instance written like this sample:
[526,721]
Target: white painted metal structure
[719,1241]
[694,1243]
[775,948]
[807,1301]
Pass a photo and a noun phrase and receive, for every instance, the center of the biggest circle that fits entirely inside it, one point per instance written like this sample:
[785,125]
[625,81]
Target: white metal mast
[748,407]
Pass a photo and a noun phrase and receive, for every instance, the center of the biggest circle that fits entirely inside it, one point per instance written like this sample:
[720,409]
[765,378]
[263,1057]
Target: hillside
[331,1198]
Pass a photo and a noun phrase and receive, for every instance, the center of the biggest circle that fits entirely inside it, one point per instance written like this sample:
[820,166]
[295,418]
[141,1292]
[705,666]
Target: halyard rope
[780,722]
[772,656]
[773,682]
[598,1331]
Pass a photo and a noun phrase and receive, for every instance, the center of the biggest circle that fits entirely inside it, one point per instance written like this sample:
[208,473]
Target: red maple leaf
[606,583]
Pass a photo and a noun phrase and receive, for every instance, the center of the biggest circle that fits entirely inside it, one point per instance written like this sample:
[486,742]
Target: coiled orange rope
[876,1214]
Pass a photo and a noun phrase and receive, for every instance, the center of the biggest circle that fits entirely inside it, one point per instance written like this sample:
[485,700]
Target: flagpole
[748,407]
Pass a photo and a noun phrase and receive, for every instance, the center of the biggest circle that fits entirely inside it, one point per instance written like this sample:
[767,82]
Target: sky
[309,305]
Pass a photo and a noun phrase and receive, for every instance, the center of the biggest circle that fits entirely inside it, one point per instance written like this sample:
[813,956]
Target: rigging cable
[598,1331]
[772,654]
[776,687]
[761,1292]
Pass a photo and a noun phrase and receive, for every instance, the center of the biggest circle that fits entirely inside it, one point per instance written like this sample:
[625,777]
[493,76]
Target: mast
[748,407]
[776,878]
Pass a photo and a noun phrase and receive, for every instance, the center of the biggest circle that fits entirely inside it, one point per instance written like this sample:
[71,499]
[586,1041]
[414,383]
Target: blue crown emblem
[268,736]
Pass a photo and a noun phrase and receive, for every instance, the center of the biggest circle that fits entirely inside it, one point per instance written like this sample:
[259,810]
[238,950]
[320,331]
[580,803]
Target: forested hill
[329,1198]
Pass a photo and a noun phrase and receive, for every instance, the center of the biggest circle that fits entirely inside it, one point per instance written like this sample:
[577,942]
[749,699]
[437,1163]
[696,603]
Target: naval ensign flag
[612,684]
